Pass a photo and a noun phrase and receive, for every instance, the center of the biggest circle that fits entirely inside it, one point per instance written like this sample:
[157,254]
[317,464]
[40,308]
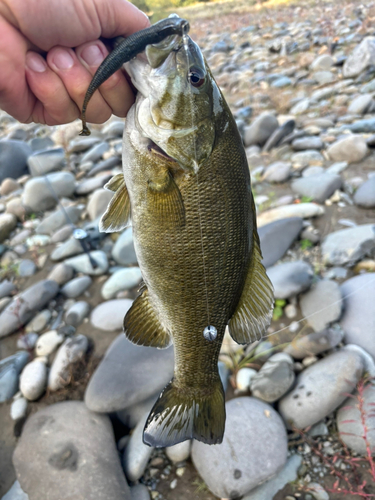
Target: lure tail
[179,414]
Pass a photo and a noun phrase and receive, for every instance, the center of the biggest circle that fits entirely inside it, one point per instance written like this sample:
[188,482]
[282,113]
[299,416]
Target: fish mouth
[153,148]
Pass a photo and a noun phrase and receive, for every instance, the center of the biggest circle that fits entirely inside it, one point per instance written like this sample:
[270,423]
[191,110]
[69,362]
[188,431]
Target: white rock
[179,452]
[48,342]
[304,210]
[71,351]
[243,378]
[18,408]
[33,380]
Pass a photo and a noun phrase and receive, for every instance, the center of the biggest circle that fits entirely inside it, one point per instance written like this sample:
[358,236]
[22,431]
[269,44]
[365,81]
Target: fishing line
[210,331]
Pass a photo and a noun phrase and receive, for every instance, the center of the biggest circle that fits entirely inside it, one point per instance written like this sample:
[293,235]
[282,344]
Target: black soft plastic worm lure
[126,50]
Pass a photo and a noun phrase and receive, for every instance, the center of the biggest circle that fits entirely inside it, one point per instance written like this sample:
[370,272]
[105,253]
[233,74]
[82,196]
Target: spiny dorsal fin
[142,325]
[164,200]
[254,309]
[117,215]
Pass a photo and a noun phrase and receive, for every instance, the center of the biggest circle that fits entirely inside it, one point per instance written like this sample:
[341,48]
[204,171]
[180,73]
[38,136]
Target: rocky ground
[74,393]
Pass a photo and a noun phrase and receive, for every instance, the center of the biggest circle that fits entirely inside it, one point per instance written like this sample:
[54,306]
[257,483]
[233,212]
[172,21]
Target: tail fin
[179,415]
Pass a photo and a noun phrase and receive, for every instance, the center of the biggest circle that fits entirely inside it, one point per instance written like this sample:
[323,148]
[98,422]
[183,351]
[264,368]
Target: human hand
[50,88]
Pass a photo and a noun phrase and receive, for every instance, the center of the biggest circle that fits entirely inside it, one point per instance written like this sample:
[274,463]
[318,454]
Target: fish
[186,188]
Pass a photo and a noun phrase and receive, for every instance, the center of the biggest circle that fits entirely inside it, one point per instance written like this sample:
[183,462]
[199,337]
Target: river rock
[13,159]
[37,195]
[74,451]
[347,246]
[7,223]
[139,492]
[95,153]
[15,493]
[244,377]
[365,194]
[46,161]
[260,130]
[322,304]
[303,210]
[82,264]
[290,278]
[322,62]
[61,273]
[318,187]
[274,379]
[33,379]
[360,104]
[9,185]
[77,313]
[18,408]
[305,143]
[242,461]
[279,171]
[48,342]
[98,203]
[76,287]
[7,288]
[321,388]
[351,149]
[21,310]
[124,279]
[128,375]
[57,219]
[358,320]
[70,352]
[179,452]
[123,251]
[278,135]
[110,315]
[306,158]
[27,268]
[27,341]
[87,186]
[67,249]
[10,368]
[315,343]
[349,421]
[136,454]
[361,57]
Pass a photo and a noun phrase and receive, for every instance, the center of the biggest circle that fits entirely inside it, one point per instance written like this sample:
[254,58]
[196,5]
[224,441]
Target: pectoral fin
[117,215]
[165,201]
[142,325]
[254,310]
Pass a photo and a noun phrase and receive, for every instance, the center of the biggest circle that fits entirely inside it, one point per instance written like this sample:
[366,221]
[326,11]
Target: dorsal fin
[117,215]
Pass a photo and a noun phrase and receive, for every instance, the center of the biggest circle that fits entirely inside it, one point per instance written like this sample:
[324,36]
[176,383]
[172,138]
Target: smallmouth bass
[186,187]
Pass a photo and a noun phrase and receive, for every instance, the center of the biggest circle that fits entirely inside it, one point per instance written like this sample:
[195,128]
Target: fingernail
[62,59]
[92,55]
[35,62]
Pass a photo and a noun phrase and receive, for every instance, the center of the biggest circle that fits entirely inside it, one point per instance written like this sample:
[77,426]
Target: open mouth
[154,148]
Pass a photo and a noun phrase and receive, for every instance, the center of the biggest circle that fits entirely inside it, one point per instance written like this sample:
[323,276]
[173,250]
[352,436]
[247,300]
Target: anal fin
[117,215]
[254,309]
[142,325]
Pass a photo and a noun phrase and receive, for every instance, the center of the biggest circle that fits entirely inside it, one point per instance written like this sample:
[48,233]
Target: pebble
[362,56]
[13,159]
[70,352]
[285,232]
[279,134]
[260,130]
[127,375]
[365,194]
[77,313]
[274,379]
[46,161]
[27,268]
[56,220]
[303,210]
[179,452]
[290,278]
[124,279]
[360,104]
[67,249]
[277,172]
[244,377]
[110,315]
[33,379]
[139,492]
[82,264]
[89,185]
[37,195]
[317,491]
[21,310]
[95,153]
[321,388]
[358,320]
[75,287]
[27,341]
[98,203]
[39,322]
[123,251]
[10,368]
[229,473]
[73,450]
[15,493]
[322,62]
[306,158]
[318,187]
[136,454]
[8,186]
[322,304]
[351,149]
[48,342]
[61,273]
[62,234]
[7,223]
[367,359]
[315,343]
[7,287]
[305,143]
[347,246]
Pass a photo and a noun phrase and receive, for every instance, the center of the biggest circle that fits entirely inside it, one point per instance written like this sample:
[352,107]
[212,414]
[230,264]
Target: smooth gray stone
[37,195]
[15,493]
[77,313]
[300,107]
[89,185]
[282,231]
[279,171]
[61,273]
[260,130]
[324,77]
[315,343]
[62,234]
[318,187]
[360,104]
[20,237]
[128,375]
[338,167]
[19,312]
[109,315]
[349,422]
[139,492]
[95,153]
[308,157]
[365,194]
[67,249]
[115,128]
[179,452]
[351,149]
[44,162]
[73,451]
[6,288]
[322,304]
[7,223]
[98,203]
[274,379]
[74,288]
[278,135]
[268,490]
[10,368]
[283,81]
[58,219]
[322,62]
[358,320]
[321,388]
[361,126]
[108,164]
[40,143]
[27,268]
[290,278]
[242,461]
[305,143]
[81,144]
[13,159]
[39,322]
[362,56]
[136,454]
[367,359]
[81,263]
[123,251]
[124,279]
[347,246]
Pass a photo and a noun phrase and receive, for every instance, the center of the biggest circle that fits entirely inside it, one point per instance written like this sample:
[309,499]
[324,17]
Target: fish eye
[196,77]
